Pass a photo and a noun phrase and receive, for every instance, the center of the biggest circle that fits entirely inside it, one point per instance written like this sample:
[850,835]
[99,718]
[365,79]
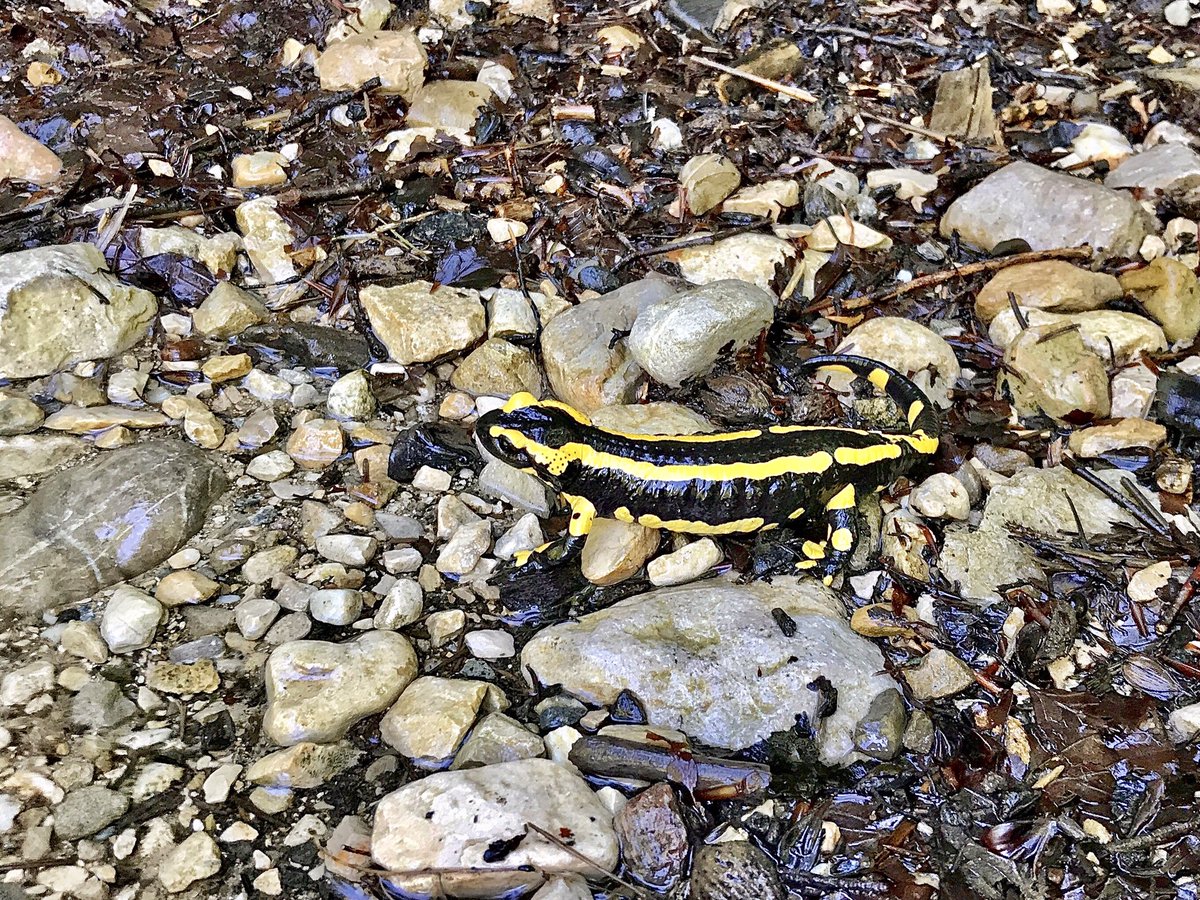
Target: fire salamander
[712,484]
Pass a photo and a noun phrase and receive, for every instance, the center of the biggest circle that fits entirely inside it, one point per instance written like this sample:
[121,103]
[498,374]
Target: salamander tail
[921,414]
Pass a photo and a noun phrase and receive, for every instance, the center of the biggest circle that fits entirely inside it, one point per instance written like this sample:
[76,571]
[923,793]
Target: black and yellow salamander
[712,484]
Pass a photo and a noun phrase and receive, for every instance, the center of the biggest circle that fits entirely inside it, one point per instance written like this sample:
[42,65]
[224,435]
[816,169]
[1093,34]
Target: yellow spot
[796,513]
[914,410]
[806,564]
[843,499]
[919,441]
[879,378]
[519,400]
[837,367]
[685,526]
[827,580]
[622,514]
[583,513]
[769,526]
[522,556]
[813,550]
[850,456]
[842,540]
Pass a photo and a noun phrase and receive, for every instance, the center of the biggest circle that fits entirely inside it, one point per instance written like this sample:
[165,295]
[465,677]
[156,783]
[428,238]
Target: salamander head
[533,435]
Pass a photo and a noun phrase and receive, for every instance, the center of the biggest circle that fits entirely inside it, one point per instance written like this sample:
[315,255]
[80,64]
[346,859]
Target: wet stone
[194,859]
[880,732]
[653,837]
[734,870]
[417,325]
[228,311]
[48,562]
[432,717]
[939,674]
[36,454]
[500,369]
[18,415]
[1054,374]
[183,678]
[130,620]
[1053,285]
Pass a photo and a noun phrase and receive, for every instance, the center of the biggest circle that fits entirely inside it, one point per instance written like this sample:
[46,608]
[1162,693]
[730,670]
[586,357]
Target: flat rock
[450,106]
[18,415]
[1110,334]
[980,561]
[753,258]
[105,521]
[195,858]
[317,690]
[304,765]
[266,236]
[711,661]
[1047,210]
[60,305]
[85,811]
[396,58]
[1168,170]
[227,311]
[449,820]
[37,454]
[681,337]
[417,324]
[660,417]
[1037,499]
[585,368]
[499,369]
[497,738]
[615,551]
[1053,284]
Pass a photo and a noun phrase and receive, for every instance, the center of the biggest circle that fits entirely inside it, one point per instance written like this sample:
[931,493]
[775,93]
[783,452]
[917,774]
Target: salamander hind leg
[555,553]
[830,556]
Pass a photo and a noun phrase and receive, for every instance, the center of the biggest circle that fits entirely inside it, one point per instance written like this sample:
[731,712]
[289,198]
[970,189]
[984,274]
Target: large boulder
[711,660]
[104,521]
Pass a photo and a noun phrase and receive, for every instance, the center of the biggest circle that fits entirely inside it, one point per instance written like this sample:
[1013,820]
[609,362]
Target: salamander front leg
[828,557]
[554,553]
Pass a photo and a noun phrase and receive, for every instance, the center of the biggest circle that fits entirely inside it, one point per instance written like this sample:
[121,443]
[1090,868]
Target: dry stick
[976,268]
[779,87]
[1168,832]
[562,845]
[940,137]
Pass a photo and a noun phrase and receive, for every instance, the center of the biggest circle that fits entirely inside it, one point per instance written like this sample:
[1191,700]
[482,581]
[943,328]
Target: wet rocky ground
[263,265]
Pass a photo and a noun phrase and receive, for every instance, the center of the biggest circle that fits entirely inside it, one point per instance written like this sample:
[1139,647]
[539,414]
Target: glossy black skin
[718,499]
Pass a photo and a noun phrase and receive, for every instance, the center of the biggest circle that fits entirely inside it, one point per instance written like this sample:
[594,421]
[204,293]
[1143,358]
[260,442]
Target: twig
[938,136]
[890,40]
[976,268]
[558,842]
[320,105]
[779,87]
[619,758]
[698,240]
[1153,838]
[1186,592]
[105,235]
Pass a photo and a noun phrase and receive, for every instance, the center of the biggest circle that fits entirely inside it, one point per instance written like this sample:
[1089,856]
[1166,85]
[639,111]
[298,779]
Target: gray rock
[1047,210]
[59,305]
[880,733]
[85,811]
[336,606]
[432,717]
[449,820]
[1053,373]
[682,336]
[1169,170]
[103,522]
[584,370]
[711,661]
[735,870]
[1037,499]
[521,489]
[496,739]
[37,454]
